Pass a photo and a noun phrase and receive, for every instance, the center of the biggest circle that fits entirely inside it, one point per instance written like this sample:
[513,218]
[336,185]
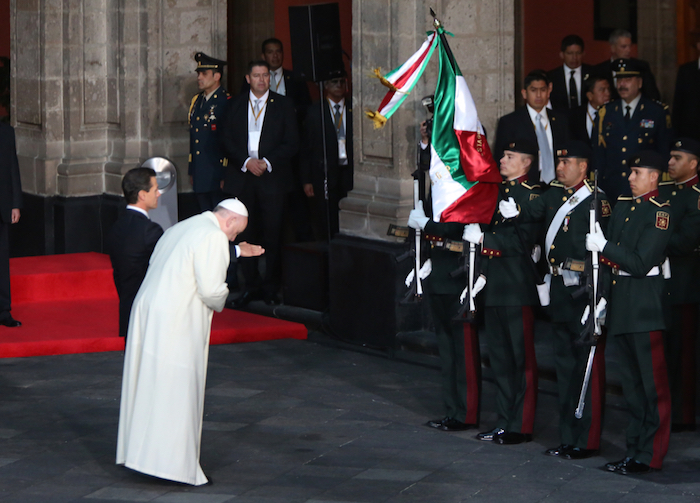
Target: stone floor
[304,421]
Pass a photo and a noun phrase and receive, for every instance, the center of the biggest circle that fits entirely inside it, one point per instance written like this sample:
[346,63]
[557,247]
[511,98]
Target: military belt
[447,244]
[654,271]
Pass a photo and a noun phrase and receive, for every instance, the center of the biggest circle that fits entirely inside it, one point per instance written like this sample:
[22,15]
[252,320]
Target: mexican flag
[463,174]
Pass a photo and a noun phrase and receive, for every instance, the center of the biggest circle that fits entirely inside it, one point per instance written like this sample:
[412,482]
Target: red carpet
[68,304]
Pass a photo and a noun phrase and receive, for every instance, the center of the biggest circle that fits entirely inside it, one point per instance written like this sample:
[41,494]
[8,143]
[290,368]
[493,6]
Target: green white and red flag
[463,174]
[401,81]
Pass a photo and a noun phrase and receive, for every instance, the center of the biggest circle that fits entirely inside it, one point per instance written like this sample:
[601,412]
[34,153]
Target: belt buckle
[615,271]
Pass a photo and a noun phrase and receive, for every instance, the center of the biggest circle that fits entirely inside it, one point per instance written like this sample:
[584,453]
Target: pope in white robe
[165,361]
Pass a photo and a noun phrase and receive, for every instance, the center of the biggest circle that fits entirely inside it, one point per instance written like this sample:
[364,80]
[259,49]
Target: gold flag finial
[436,21]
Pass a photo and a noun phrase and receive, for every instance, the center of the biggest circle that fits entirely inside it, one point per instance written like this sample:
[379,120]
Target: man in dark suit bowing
[568,88]
[548,129]
[132,238]
[686,99]
[338,138]
[10,204]
[260,138]
[583,118]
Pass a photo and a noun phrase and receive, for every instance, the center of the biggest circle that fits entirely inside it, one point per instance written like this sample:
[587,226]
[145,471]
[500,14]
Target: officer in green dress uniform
[207,109]
[638,233]
[458,342]
[627,125]
[509,297]
[565,210]
[683,294]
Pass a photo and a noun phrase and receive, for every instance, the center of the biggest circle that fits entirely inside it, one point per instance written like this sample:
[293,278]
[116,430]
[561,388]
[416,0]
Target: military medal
[211,113]
[565,227]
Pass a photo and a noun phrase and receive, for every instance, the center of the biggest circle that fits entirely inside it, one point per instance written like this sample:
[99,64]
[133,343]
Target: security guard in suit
[207,109]
[634,251]
[565,211]
[458,342]
[625,126]
[682,293]
[508,298]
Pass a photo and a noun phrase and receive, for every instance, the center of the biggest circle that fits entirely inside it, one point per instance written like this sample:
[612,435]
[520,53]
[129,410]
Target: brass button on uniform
[197,152]
[552,260]
[673,193]
[507,190]
[551,247]
[632,209]
[624,173]
[614,282]
[627,219]
[196,141]
[624,137]
[563,198]
[637,200]
[624,149]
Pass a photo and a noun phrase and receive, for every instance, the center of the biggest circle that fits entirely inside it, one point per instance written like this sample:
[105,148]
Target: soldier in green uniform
[683,295]
[565,210]
[627,125]
[458,342]
[638,233]
[207,109]
[508,298]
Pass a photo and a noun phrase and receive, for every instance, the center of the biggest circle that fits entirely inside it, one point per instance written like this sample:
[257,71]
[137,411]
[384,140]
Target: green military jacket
[682,250]
[569,243]
[509,280]
[638,233]
[438,234]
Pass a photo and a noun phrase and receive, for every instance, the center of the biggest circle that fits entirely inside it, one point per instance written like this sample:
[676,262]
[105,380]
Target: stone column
[385,34]
[656,39]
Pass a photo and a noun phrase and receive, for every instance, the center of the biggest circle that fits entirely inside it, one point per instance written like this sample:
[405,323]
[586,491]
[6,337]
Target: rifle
[592,329]
[467,313]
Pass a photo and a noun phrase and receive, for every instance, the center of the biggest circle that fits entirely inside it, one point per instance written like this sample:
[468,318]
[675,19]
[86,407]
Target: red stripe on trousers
[472,365]
[597,396]
[530,399]
[689,329]
[663,398]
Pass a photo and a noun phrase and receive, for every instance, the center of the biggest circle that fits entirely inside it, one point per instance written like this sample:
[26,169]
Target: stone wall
[385,34]
[101,85]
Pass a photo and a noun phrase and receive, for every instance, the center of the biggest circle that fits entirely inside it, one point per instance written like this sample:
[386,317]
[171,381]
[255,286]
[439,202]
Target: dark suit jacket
[279,142]
[577,124]
[311,155]
[649,89]
[559,97]
[686,101]
[518,125]
[10,185]
[130,243]
[296,90]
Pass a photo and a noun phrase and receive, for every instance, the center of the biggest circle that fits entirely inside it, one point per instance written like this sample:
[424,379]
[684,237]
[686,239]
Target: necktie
[595,125]
[627,113]
[338,120]
[256,115]
[573,92]
[546,159]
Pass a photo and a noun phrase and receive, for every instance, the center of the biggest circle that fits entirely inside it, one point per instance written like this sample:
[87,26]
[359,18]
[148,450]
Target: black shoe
[489,436]
[578,453]
[512,438]
[437,423]
[10,322]
[614,466]
[245,299]
[634,467]
[454,425]
[680,427]
[271,299]
[559,451]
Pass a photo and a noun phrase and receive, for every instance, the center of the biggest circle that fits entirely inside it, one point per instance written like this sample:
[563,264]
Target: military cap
[522,146]
[575,148]
[205,62]
[648,159]
[626,68]
[687,145]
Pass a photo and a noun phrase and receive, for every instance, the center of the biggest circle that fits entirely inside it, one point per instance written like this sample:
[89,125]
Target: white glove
[472,233]
[409,278]
[479,285]
[426,269]
[596,242]
[508,208]
[600,313]
[417,218]
[536,253]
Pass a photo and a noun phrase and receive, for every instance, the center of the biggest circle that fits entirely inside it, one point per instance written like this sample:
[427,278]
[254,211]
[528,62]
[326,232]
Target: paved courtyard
[302,421]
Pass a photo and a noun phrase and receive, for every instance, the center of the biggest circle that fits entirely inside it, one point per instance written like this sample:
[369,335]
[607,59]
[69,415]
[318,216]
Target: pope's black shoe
[614,466]
[634,467]
[578,453]
[512,438]
[9,321]
[559,451]
[488,436]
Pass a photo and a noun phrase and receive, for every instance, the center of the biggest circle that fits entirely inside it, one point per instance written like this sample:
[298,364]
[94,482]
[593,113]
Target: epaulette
[530,187]
[670,182]
[662,104]
[555,183]
[659,204]
[624,198]
[696,188]
[589,186]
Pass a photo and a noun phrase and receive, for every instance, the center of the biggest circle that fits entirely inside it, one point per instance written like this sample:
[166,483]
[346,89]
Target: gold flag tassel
[377,73]
[378,119]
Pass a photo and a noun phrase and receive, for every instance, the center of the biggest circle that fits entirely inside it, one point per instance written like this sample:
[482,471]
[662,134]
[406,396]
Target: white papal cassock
[165,362]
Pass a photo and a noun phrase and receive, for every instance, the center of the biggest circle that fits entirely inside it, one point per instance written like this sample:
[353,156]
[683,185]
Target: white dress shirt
[280,86]
[633,105]
[590,115]
[256,124]
[136,208]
